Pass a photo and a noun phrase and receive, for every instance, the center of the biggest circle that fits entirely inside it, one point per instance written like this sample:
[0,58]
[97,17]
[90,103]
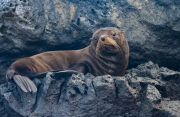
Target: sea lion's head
[108,41]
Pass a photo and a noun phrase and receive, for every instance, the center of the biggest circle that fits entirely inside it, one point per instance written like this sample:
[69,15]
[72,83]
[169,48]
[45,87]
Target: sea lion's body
[106,54]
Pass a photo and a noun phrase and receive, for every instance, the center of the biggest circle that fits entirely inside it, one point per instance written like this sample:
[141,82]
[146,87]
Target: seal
[108,53]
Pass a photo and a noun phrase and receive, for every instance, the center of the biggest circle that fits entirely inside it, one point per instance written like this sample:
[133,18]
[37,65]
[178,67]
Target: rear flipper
[25,83]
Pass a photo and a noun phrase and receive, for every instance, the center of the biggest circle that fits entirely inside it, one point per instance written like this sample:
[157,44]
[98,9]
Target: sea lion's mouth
[109,49]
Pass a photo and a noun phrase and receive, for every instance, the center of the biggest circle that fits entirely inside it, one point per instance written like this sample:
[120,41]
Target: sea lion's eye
[113,33]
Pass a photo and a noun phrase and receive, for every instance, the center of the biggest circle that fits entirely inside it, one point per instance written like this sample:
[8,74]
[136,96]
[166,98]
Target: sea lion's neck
[102,64]
[110,63]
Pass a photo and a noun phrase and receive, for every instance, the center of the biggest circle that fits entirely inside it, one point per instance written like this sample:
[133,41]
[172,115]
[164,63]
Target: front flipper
[25,83]
[65,73]
[57,73]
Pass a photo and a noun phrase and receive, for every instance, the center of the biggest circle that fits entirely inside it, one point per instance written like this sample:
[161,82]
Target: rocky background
[152,28]
[145,91]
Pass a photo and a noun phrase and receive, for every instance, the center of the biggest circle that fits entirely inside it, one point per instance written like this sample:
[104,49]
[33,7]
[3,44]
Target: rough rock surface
[145,91]
[152,27]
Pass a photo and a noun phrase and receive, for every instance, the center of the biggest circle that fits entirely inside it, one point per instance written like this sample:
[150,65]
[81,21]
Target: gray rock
[132,95]
[28,27]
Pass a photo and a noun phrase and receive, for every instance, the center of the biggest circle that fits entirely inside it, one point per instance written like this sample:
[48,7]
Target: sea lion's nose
[103,38]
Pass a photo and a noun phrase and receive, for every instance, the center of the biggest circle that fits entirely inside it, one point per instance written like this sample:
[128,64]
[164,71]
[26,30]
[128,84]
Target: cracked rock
[28,27]
[82,95]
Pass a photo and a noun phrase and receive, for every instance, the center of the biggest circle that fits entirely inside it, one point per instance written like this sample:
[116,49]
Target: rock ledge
[145,91]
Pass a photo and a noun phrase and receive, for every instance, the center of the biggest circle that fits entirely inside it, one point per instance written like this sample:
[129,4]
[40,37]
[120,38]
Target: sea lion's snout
[108,42]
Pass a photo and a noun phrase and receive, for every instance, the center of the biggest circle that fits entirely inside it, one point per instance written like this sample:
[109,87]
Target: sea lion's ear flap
[90,39]
[122,31]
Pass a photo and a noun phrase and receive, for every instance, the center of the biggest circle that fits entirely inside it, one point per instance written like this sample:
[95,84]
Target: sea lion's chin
[109,49]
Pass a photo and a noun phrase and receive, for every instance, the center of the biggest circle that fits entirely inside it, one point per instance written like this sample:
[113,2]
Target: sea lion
[108,53]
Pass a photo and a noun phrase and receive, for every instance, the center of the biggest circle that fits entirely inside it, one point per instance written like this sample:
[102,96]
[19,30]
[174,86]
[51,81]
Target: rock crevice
[33,26]
[148,90]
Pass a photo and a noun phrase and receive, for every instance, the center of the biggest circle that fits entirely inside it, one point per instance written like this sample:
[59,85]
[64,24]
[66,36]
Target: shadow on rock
[145,91]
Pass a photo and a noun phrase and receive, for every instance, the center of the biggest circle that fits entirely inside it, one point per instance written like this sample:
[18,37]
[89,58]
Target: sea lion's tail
[22,81]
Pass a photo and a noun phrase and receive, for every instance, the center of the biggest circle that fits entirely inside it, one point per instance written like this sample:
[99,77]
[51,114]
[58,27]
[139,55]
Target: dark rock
[142,92]
[29,27]
[171,76]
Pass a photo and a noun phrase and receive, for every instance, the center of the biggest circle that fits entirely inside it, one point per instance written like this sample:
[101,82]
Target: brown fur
[108,53]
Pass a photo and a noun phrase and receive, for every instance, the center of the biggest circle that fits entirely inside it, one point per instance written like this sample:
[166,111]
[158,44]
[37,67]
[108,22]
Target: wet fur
[99,58]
